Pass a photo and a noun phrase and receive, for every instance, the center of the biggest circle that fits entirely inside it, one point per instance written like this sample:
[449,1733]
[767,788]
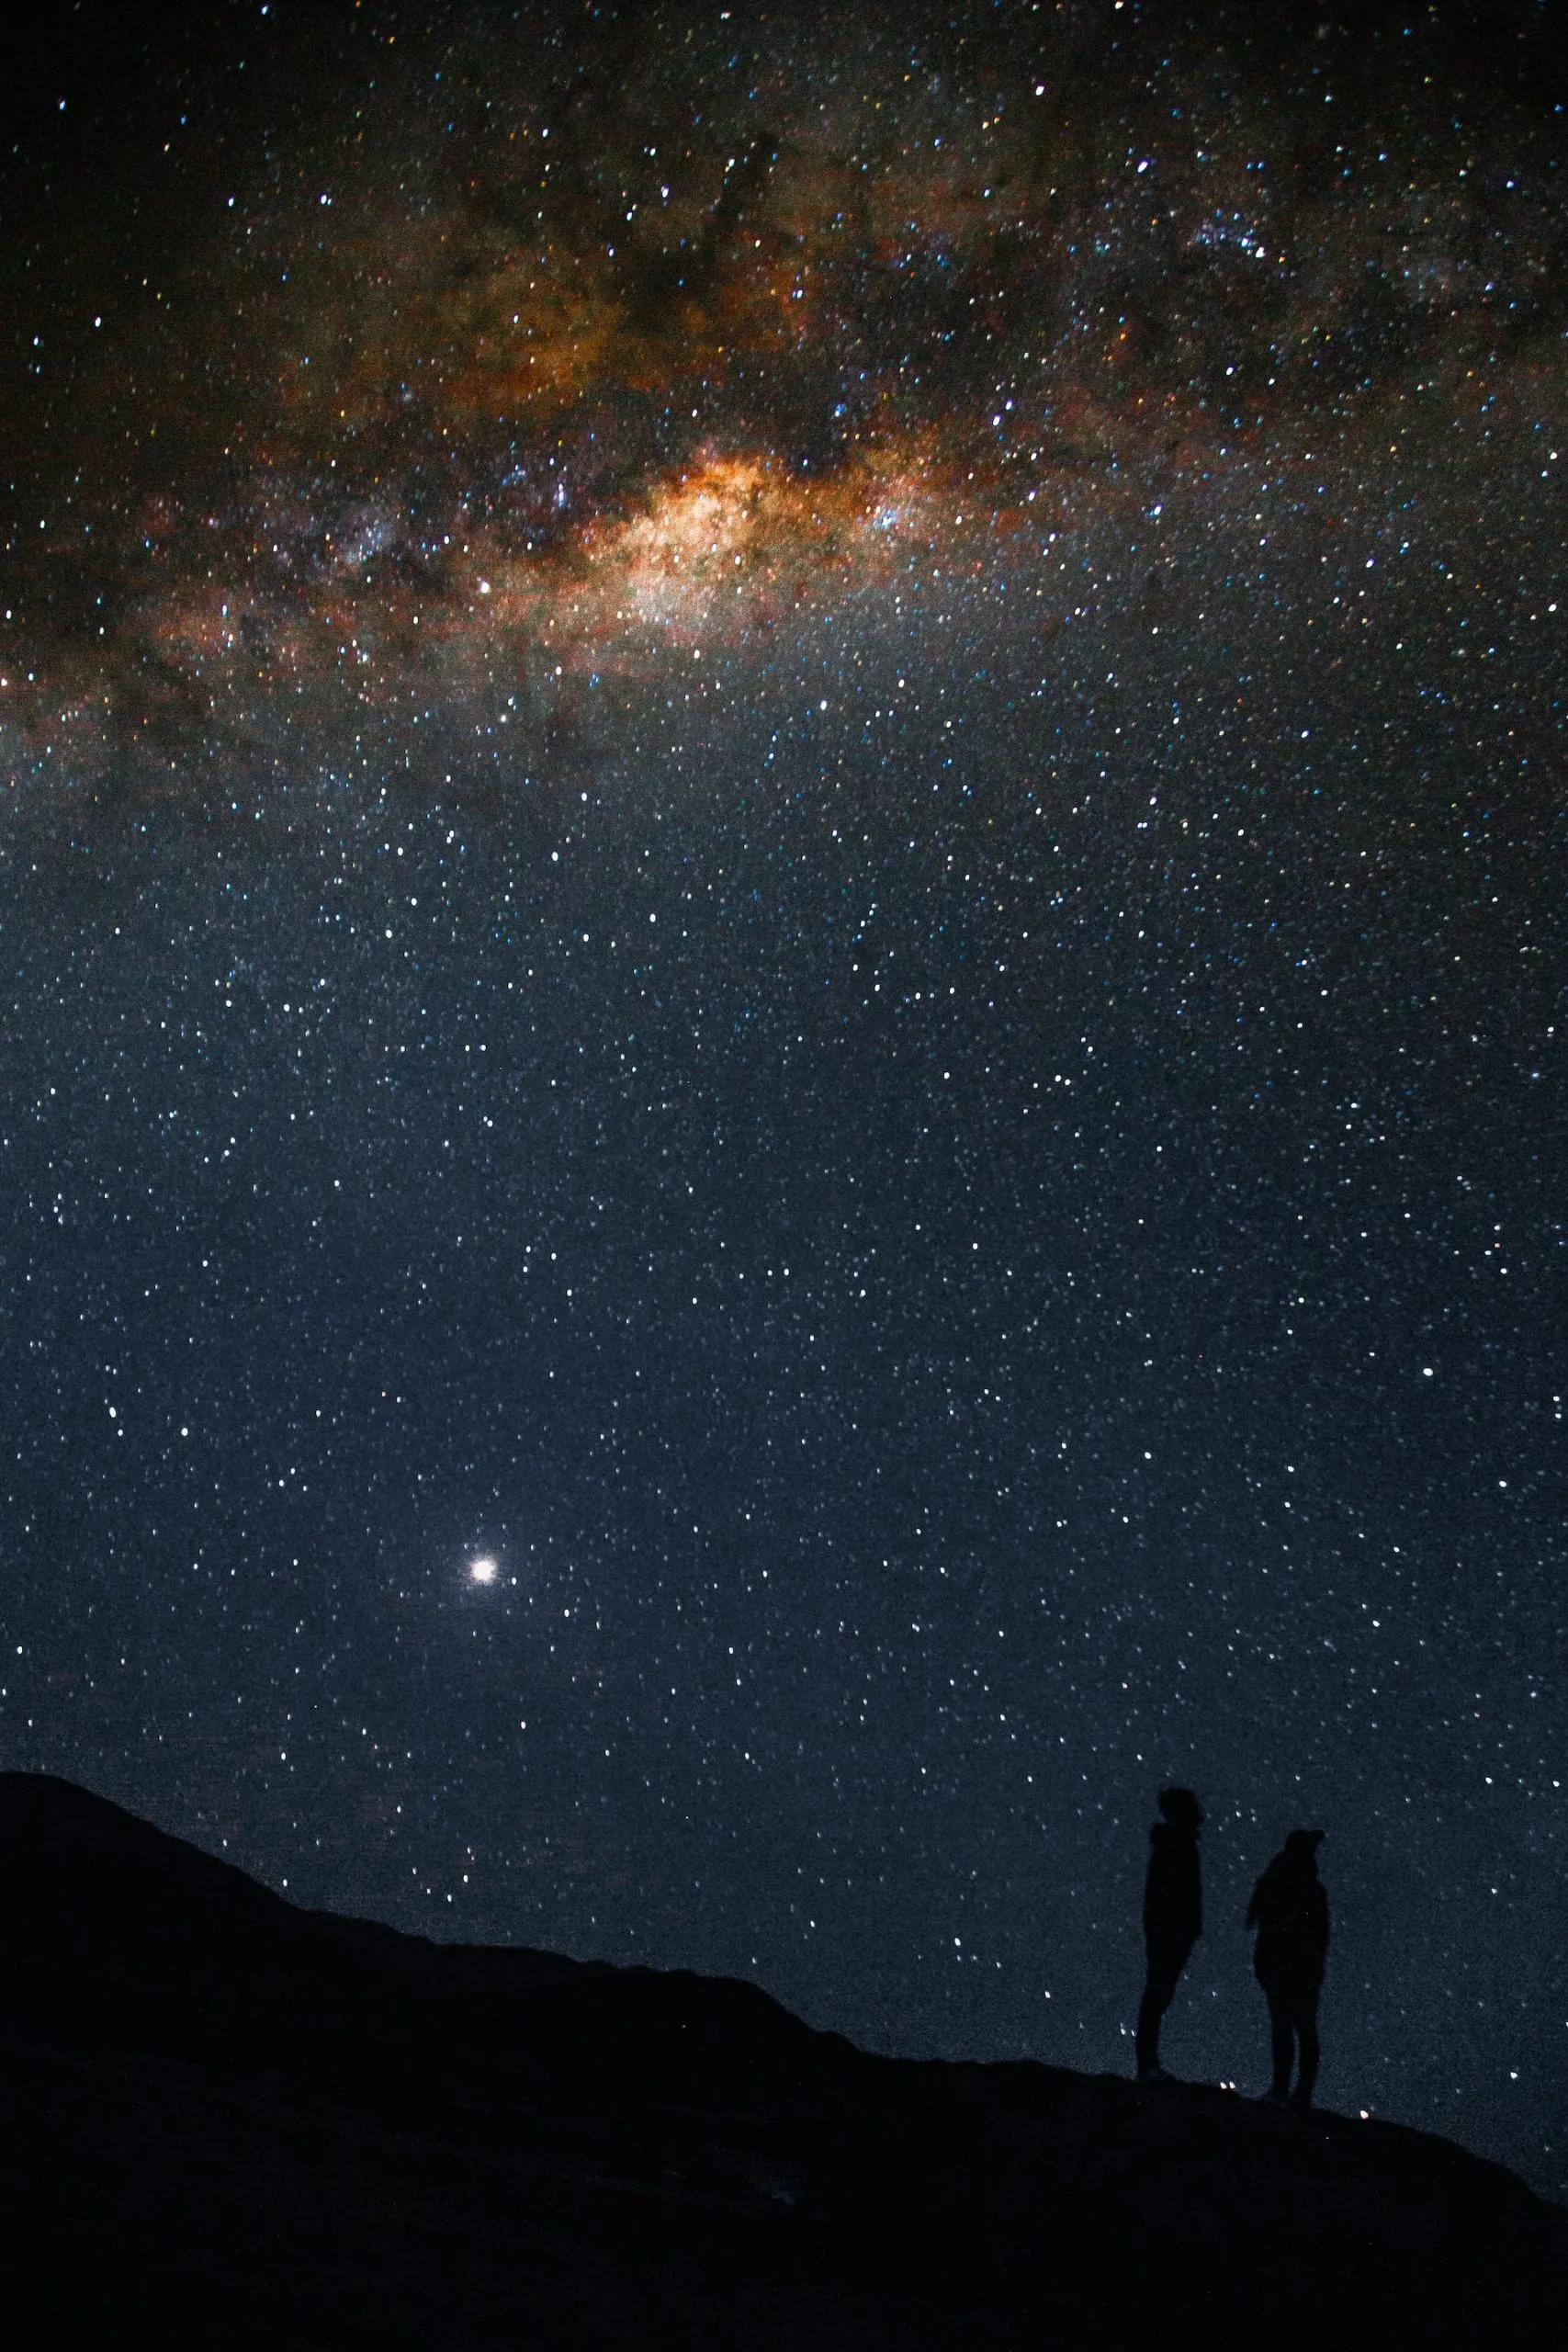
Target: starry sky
[783,840]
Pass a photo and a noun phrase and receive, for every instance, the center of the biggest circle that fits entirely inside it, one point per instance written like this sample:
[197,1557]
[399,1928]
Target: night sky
[783,840]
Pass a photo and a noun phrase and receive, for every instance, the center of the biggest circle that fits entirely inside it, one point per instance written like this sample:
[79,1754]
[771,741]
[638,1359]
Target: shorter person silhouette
[1289,1911]
[1173,1918]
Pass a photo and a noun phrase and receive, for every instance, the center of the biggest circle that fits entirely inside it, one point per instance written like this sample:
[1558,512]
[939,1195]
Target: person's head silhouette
[1181,1808]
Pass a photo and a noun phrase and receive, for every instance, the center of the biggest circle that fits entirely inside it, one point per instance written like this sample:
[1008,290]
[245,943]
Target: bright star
[482,1571]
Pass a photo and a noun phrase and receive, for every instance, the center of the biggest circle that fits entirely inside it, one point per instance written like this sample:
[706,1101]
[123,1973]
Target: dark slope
[227,2121]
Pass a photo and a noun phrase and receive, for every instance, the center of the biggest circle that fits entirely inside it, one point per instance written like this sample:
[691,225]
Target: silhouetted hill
[234,2123]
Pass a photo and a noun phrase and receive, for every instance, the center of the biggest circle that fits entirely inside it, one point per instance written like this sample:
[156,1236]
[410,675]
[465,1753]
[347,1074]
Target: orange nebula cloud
[719,552]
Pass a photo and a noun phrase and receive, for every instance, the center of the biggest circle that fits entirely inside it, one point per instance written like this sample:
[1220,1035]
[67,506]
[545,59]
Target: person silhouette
[1173,1918]
[1289,1911]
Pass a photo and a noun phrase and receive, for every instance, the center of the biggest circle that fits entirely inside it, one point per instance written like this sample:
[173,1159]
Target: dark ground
[230,2123]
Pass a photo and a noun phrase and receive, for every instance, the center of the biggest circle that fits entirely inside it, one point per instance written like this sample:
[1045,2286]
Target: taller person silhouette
[1289,1911]
[1173,1918]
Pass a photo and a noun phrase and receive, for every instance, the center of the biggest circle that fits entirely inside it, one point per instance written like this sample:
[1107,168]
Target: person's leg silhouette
[1165,1964]
[1306,2021]
[1282,2037]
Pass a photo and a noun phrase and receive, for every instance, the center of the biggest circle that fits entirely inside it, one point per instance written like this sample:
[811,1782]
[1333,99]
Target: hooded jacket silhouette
[1173,1915]
[1289,1911]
